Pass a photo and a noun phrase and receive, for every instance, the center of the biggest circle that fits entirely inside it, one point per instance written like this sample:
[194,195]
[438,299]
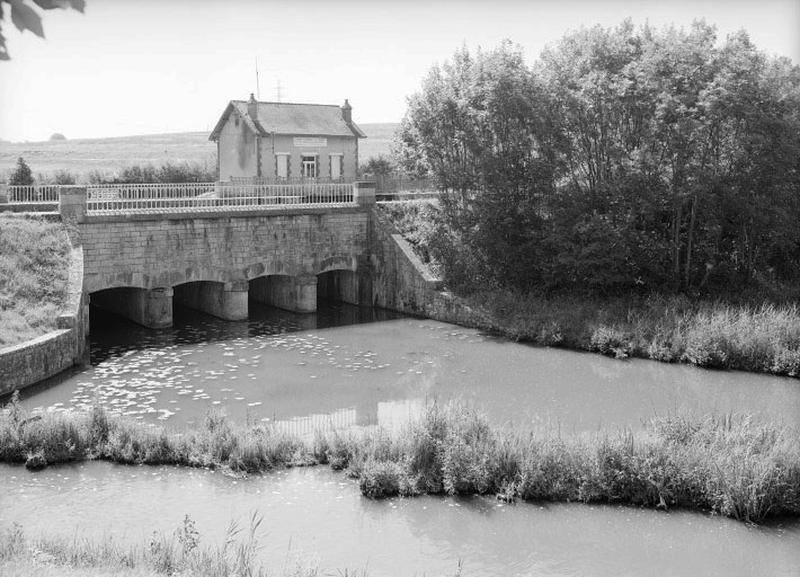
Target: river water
[348,366]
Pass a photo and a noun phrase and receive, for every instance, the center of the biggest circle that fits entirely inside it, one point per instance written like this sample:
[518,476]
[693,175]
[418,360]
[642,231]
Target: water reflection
[357,366]
[315,513]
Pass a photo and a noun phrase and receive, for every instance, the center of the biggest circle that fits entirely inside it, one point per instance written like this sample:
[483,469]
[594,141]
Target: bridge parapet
[78,202]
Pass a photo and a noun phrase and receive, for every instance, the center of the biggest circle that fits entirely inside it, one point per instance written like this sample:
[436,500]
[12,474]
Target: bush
[380,479]
[611,341]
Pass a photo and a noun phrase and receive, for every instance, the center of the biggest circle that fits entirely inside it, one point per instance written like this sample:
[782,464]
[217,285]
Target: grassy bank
[731,466]
[181,552]
[758,338]
[34,272]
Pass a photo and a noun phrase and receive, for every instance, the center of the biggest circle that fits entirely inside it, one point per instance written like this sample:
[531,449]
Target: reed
[179,552]
[730,465]
[751,337]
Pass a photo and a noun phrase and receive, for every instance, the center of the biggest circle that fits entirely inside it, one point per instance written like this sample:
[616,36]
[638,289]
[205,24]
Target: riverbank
[181,552]
[715,334]
[34,277]
[757,334]
[731,466]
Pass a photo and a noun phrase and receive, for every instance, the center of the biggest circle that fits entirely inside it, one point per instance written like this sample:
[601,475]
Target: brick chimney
[252,108]
[347,112]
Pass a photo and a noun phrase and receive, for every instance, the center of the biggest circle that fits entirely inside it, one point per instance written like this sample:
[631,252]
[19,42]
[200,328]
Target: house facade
[280,141]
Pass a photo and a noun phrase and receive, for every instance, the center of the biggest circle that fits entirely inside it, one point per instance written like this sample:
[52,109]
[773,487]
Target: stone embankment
[403,283]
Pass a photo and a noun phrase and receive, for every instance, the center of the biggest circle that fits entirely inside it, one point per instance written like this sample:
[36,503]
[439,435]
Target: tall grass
[34,273]
[50,438]
[732,466]
[177,553]
[758,338]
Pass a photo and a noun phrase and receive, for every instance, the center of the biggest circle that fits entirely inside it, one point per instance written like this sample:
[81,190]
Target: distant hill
[81,156]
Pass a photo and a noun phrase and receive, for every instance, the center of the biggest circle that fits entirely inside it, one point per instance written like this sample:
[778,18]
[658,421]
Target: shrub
[611,341]
[380,479]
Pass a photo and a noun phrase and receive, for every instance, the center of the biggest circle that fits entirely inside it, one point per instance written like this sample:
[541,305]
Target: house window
[282,166]
[336,166]
[309,166]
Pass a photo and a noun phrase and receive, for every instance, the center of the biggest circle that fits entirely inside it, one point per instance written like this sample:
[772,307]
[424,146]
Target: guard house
[280,141]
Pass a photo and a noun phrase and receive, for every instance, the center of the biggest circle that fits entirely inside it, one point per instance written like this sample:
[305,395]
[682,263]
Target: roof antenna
[278,91]
[258,86]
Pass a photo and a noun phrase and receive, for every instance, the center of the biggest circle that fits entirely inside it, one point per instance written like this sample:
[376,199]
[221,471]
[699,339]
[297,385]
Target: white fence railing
[212,197]
[34,194]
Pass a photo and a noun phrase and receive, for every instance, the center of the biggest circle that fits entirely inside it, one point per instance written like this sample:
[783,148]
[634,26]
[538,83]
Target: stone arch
[151,308]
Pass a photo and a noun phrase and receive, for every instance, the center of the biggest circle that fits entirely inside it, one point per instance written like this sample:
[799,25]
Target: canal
[347,366]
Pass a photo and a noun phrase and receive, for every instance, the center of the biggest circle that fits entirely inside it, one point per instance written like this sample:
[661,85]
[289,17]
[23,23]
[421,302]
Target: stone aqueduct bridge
[216,257]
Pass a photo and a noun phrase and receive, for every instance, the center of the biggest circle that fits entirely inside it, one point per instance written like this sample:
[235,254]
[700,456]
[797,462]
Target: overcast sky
[152,66]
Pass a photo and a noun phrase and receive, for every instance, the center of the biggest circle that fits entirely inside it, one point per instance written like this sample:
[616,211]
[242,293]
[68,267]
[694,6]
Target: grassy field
[34,272]
[82,156]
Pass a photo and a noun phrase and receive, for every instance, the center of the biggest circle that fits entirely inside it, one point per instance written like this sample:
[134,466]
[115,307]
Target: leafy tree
[480,127]
[22,175]
[378,165]
[624,158]
[24,17]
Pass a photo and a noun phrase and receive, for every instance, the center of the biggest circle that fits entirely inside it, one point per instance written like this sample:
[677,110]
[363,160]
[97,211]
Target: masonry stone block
[223,300]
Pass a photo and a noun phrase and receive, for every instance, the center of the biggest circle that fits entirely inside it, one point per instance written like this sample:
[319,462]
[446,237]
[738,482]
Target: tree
[57,136]
[26,18]
[625,158]
[22,175]
[378,165]
[481,127]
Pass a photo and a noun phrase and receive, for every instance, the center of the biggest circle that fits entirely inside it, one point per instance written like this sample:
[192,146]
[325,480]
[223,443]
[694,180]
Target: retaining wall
[27,363]
[403,283]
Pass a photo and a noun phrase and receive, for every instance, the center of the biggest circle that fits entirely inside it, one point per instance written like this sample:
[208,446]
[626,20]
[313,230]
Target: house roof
[290,118]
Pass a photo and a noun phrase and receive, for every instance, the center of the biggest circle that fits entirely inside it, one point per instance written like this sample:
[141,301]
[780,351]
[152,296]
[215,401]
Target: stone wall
[27,363]
[164,251]
[402,282]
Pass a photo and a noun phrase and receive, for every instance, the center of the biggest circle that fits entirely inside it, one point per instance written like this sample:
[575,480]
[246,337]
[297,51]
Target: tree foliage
[378,165]
[24,17]
[21,175]
[626,157]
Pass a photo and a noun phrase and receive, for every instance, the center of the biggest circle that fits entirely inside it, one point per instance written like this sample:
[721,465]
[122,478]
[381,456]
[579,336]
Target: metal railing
[212,197]
[34,194]
[151,191]
[288,180]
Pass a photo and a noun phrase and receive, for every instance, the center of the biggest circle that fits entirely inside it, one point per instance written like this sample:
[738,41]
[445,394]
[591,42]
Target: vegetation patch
[34,273]
[749,331]
[731,466]
[180,552]
[669,328]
